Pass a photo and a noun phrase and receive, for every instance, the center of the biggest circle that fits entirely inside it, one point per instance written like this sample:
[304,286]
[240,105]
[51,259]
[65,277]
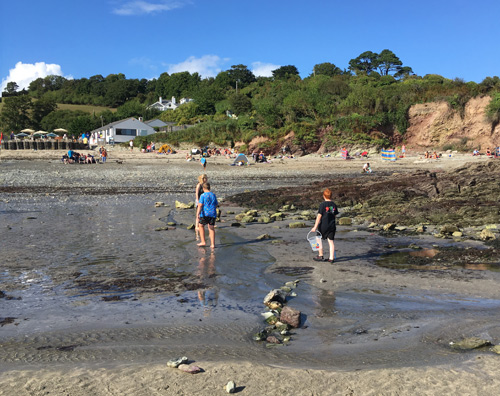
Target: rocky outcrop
[435,124]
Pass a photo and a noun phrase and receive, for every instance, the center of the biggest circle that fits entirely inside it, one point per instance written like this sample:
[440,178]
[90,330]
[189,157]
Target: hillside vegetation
[367,104]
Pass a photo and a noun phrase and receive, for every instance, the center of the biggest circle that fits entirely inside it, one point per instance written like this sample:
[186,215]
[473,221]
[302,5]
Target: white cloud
[260,69]
[206,66]
[24,73]
[140,7]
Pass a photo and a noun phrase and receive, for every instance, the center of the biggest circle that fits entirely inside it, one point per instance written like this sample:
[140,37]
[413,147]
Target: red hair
[327,194]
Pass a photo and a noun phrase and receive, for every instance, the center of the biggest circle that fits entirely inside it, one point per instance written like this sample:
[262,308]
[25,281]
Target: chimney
[140,119]
[159,100]
[173,99]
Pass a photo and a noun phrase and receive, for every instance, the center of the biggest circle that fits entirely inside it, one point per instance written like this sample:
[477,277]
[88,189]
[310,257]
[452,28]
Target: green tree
[10,89]
[364,63]
[41,108]
[285,72]
[326,69]
[388,62]
[240,104]
[241,75]
[15,114]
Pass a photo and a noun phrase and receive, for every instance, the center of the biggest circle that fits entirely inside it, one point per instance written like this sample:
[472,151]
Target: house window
[126,132]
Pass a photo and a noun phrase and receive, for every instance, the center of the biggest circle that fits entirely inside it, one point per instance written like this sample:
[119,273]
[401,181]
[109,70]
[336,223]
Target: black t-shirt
[328,210]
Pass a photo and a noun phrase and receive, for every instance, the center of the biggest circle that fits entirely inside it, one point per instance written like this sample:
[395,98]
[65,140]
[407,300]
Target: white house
[163,104]
[122,131]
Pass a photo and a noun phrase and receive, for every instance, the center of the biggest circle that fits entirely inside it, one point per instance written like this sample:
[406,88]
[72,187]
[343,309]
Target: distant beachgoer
[104,155]
[153,146]
[488,152]
[475,152]
[325,224]
[207,213]
[403,151]
[131,144]
[203,162]
[366,168]
[199,190]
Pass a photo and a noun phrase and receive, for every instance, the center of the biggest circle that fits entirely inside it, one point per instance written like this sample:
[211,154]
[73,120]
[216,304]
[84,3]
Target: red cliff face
[436,124]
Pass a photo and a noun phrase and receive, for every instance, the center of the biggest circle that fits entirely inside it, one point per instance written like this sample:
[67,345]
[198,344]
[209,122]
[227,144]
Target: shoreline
[354,275]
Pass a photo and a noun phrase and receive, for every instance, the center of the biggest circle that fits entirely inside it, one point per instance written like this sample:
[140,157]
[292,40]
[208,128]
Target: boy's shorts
[329,235]
[207,220]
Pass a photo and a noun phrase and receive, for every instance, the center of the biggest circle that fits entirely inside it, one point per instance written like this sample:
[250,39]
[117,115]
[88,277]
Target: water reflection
[209,294]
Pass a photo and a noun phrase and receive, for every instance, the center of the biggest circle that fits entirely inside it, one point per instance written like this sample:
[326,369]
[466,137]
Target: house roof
[112,124]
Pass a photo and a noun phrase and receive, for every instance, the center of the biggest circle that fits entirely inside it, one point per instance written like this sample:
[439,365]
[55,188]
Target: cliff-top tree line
[332,105]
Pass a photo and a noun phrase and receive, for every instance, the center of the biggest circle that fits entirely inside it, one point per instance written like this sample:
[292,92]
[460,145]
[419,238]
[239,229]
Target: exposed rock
[190,227]
[471,343]
[274,305]
[345,221]
[457,234]
[181,205]
[159,204]
[236,225]
[486,235]
[264,219]
[190,369]
[496,349]
[449,229]
[230,387]
[263,236]
[247,219]
[174,363]
[389,226]
[275,295]
[273,340]
[372,225]
[297,224]
[290,316]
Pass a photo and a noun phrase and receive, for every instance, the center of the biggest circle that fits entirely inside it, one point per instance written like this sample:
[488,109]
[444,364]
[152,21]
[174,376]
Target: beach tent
[240,158]
[389,155]
[165,149]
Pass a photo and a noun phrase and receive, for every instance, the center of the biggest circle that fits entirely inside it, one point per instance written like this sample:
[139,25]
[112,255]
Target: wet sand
[106,300]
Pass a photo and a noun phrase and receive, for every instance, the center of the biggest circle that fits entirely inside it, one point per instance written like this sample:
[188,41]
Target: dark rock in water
[2,294]
[67,348]
[6,321]
[470,343]
[236,225]
[111,298]
[273,340]
[260,336]
[290,316]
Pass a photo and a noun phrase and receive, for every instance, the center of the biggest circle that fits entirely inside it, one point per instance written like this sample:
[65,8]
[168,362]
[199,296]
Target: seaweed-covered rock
[297,224]
[470,343]
[345,221]
[182,205]
[487,235]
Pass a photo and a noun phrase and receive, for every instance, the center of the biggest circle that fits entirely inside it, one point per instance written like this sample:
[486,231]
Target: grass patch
[86,108]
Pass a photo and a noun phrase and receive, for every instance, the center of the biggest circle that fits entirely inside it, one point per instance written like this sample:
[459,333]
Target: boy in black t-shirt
[325,223]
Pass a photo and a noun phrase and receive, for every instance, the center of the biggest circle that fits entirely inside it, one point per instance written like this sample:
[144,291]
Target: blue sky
[144,38]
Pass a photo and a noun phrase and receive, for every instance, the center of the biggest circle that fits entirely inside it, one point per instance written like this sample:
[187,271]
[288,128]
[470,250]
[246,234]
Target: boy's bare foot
[201,244]
[212,246]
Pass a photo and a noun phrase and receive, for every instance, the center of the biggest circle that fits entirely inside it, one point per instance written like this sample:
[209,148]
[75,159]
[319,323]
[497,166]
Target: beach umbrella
[28,130]
[52,134]
[60,130]
[22,134]
[39,133]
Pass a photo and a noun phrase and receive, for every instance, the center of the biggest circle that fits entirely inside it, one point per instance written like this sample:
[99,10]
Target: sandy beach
[101,287]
